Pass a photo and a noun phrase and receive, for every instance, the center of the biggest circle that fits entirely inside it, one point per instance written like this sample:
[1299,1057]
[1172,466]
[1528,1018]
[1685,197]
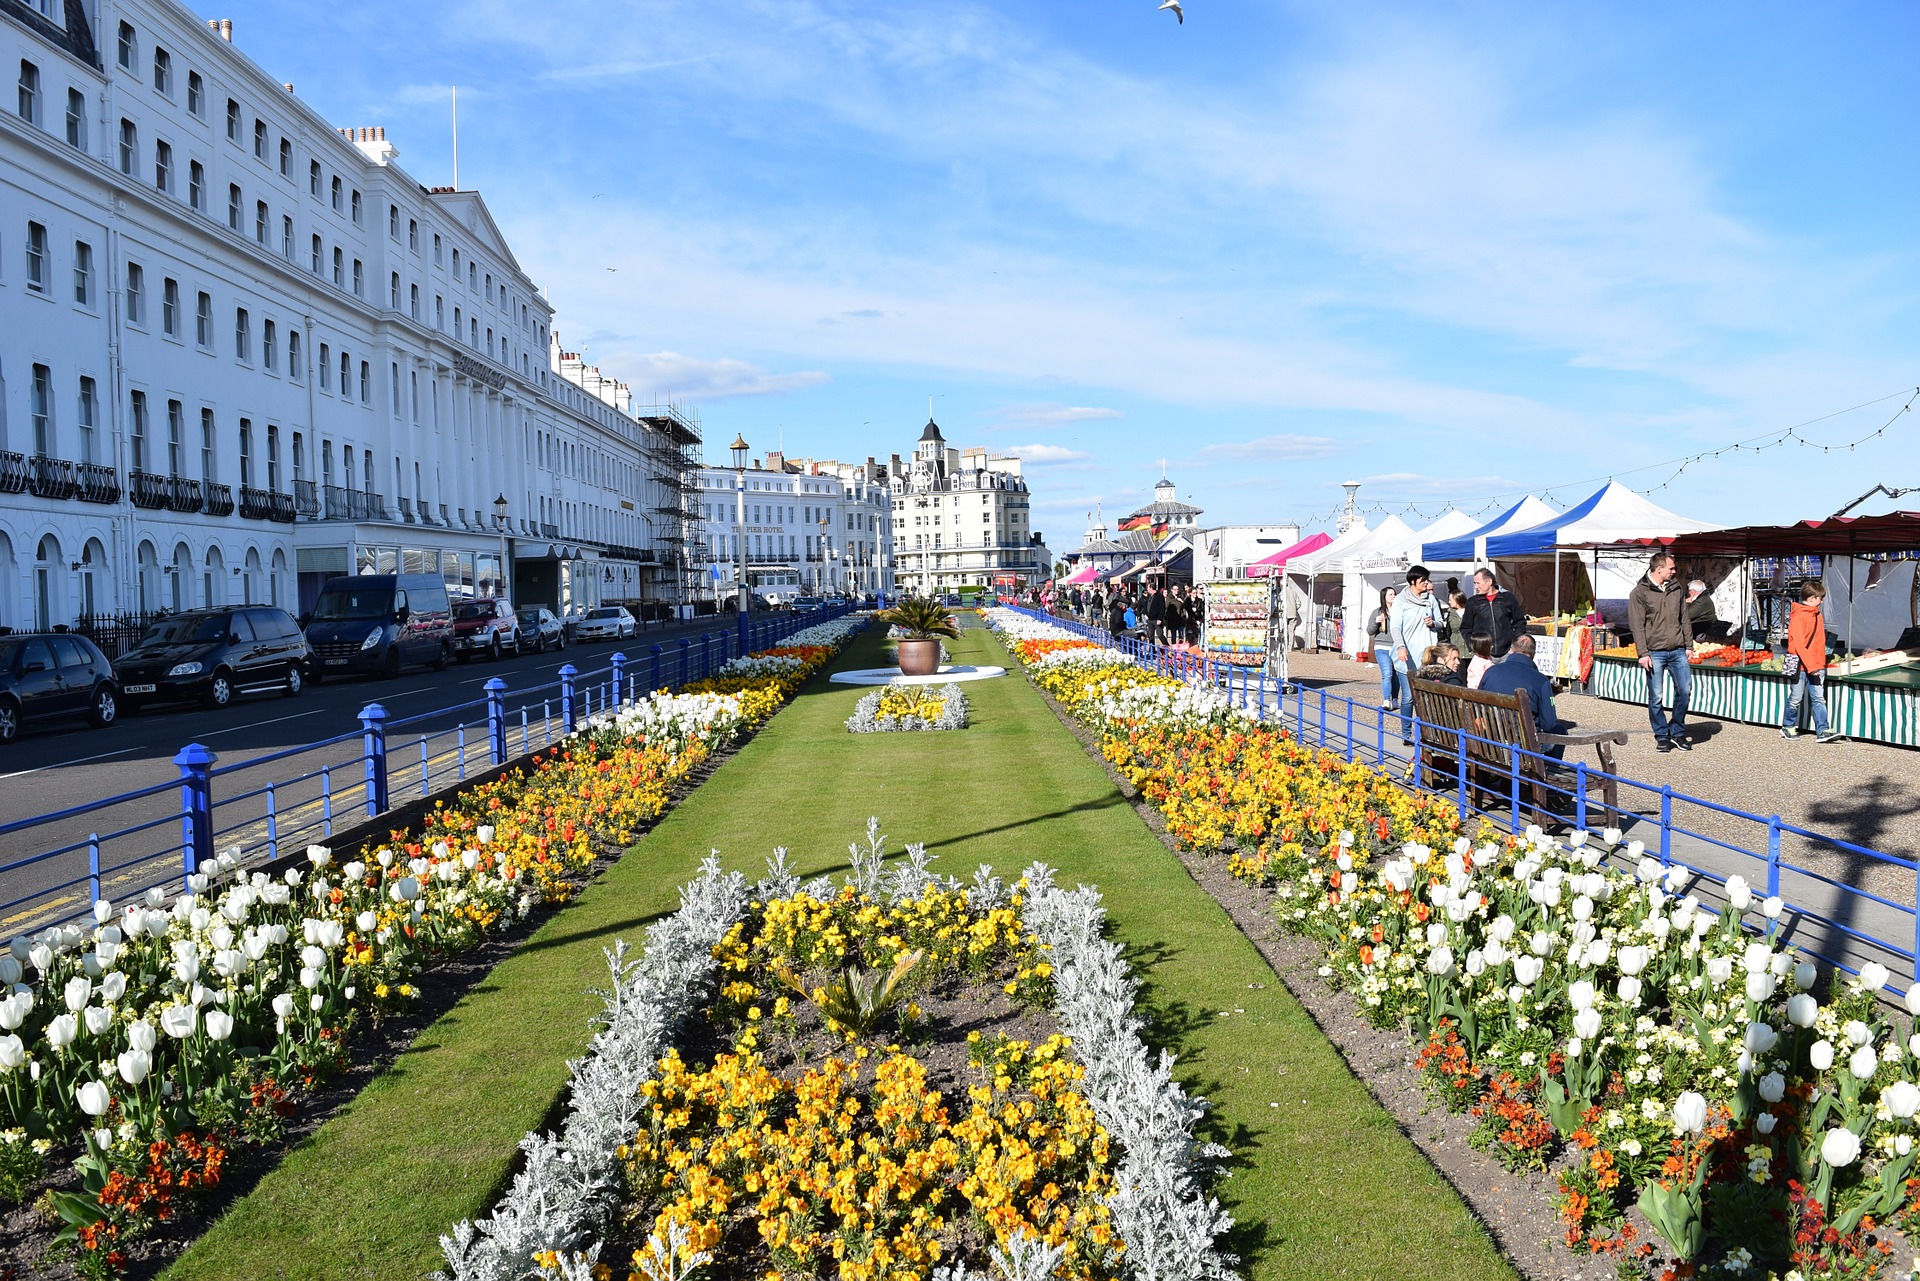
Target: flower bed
[906,708]
[883,1078]
[1591,1016]
[173,1029]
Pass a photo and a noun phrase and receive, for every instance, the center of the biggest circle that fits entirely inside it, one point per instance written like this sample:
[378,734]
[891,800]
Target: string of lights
[1756,444]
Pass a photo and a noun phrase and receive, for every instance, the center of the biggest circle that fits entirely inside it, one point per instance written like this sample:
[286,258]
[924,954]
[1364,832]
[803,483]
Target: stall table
[1879,707]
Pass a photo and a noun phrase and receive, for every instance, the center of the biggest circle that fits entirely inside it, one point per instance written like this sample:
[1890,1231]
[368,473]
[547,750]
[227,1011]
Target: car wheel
[440,659]
[560,642]
[9,720]
[493,650]
[295,681]
[391,667]
[219,689]
[106,707]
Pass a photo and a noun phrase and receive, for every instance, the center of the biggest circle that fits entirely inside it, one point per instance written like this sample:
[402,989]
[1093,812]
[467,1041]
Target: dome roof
[932,432]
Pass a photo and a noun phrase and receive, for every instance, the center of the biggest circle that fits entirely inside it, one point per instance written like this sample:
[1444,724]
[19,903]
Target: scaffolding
[673,446]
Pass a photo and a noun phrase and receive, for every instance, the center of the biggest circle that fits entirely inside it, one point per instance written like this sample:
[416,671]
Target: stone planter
[920,657]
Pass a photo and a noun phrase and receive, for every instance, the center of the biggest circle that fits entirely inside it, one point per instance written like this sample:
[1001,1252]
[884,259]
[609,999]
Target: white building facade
[245,351]
[1225,551]
[820,529]
[962,518]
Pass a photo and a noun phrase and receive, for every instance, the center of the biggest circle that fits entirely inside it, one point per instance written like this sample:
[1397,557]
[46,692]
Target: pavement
[281,803]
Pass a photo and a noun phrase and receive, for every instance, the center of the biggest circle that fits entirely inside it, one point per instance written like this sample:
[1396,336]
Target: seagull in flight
[1178,13]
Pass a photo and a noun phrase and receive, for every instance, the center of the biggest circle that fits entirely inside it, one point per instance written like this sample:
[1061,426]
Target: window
[316,255]
[127,45]
[36,258]
[246,453]
[393,221]
[129,147]
[269,346]
[339,267]
[413,301]
[439,312]
[42,408]
[203,322]
[233,121]
[137,436]
[393,290]
[233,206]
[259,140]
[176,443]
[294,370]
[286,237]
[413,235]
[162,165]
[207,438]
[242,335]
[456,263]
[29,92]
[337,189]
[473,333]
[196,94]
[163,71]
[89,413]
[326,366]
[273,457]
[346,375]
[436,249]
[456,322]
[76,119]
[313,179]
[260,220]
[286,158]
[83,273]
[170,308]
[366,384]
[197,185]
[356,209]
[359,280]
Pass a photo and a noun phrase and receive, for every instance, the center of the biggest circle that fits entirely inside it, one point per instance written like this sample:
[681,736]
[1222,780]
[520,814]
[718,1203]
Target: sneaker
[1663,745]
[1828,737]
[1683,743]
[1789,733]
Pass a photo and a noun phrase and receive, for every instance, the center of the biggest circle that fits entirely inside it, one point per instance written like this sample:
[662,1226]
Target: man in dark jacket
[1518,671]
[1657,614]
[1117,613]
[1494,611]
[1156,609]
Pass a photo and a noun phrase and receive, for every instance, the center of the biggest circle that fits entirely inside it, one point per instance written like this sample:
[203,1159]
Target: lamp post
[825,552]
[739,448]
[500,522]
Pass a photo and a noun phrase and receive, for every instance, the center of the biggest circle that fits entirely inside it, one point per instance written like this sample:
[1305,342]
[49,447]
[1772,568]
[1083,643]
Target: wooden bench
[1496,724]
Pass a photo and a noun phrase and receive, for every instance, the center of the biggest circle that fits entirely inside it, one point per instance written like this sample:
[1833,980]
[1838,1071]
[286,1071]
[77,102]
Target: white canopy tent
[1471,545]
[1382,560]
[1306,598]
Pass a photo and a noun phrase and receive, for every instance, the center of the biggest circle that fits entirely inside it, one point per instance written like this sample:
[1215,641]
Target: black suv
[49,674]
[213,654]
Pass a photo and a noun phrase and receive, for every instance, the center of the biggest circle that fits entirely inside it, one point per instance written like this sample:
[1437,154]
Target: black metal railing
[183,494]
[306,499]
[255,504]
[219,499]
[149,490]
[115,634]
[351,504]
[549,531]
[13,472]
[51,477]
[280,507]
[99,483]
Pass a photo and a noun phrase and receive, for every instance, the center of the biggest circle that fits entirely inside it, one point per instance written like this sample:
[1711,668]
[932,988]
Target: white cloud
[1044,455]
[1032,416]
[1271,449]
[668,373]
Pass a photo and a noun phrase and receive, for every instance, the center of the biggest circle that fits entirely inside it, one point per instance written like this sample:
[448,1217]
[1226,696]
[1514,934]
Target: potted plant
[925,621]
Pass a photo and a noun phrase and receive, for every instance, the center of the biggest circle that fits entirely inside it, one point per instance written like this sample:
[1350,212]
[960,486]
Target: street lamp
[824,574]
[739,448]
[500,521]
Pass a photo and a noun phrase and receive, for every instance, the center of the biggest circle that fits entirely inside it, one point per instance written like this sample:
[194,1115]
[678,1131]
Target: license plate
[336,662]
[136,689]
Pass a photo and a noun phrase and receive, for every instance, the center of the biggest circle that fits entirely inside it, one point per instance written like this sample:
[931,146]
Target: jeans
[1807,685]
[1669,662]
[1389,678]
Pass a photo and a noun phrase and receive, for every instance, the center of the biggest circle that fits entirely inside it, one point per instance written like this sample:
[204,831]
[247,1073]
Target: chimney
[776,460]
[372,143]
[222,27]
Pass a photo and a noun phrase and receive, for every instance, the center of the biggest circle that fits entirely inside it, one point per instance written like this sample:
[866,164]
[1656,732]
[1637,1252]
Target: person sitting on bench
[1517,671]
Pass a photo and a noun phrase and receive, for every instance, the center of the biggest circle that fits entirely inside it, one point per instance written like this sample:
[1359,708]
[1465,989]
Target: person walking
[1494,610]
[1657,616]
[1156,611]
[1418,617]
[1380,639]
[1196,615]
[1807,655]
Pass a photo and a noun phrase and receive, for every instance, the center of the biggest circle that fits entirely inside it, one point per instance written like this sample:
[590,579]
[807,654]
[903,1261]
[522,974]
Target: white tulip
[219,1024]
[1527,969]
[1773,1087]
[1840,1148]
[1863,1063]
[102,911]
[1902,1144]
[1586,1024]
[354,871]
[1902,1099]
[319,855]
[1857,1032]
[1440,961]
[1820,1055]
[1634,959]
[1690,1112]
[470,859]
[1772,906]
[405,890]
[312,957]
[1611,836]
[1760,1038]
[13,1052]
[62,1030]
[484,833]
[365,922]
[1583,908]
[1629,990]
[1913,999]
[310,978]
[97,1020]
[1580,995]
[1764,1123]
[42,957]
[179,1021]
[1739,893]
[77,993]
[1541,943]
[1719,970]
[1802,1010]
[93,1098]
[283,1004]
[10,971]
[1873,976]
[1476,963]
[1757,958]
[1501,930]
[1760,987]
[134,1066]
[316,1002]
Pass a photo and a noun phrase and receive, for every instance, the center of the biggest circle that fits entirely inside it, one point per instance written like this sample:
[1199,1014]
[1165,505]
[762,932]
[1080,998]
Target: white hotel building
[812,528]
[963,518]
[242,350]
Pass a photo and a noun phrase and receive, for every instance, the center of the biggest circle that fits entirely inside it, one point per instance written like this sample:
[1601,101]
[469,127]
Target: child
[1807,642]
[1482,645]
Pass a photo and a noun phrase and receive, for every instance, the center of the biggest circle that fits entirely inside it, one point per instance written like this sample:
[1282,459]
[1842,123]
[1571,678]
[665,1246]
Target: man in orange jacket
[1807,642]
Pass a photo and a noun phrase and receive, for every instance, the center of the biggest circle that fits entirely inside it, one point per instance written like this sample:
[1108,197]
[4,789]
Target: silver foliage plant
[866,718]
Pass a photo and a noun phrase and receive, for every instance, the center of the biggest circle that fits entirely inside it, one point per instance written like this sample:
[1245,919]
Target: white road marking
[257,724]
[62,764]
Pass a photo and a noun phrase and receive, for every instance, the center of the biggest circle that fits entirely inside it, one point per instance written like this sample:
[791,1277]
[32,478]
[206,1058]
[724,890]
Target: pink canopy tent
[1277,562]
[1080,577]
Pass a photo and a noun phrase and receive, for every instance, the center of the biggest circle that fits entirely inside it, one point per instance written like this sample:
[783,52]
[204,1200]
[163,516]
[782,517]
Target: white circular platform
[888,675]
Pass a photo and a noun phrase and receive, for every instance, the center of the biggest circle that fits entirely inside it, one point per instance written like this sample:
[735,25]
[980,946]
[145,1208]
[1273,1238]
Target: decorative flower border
[549,1220]
[866,718]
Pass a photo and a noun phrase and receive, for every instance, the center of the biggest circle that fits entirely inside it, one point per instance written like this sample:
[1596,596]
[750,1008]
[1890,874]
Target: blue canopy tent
[1472,546]
[1611,515]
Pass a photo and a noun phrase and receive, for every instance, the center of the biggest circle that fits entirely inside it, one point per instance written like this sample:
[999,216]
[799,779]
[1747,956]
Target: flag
[715,567]
[1135,522]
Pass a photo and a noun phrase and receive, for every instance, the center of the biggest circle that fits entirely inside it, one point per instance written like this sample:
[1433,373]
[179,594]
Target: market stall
[1242,625]
[1312,596]
[1382,559]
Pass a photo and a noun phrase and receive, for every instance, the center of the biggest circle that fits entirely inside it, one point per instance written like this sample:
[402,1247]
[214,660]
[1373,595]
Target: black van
[379,623]
[211,655]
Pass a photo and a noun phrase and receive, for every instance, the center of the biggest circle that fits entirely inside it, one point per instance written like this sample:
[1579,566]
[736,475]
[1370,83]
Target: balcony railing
[306,499]
[219,499]
[149,490]
[351,504]
[280,507]
[549,531]
[255,504]
[51,477]
[184,495]
[13,473]
[99,483]
[406,508]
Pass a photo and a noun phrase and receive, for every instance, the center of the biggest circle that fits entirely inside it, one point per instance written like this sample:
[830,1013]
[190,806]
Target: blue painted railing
[339,782]
[1853,926]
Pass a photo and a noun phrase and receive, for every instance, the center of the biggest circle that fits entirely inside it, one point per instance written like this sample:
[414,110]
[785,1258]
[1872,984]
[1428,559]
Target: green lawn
[1325,1184]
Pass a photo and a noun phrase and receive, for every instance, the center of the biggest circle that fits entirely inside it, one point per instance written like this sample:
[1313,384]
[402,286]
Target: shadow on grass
[1108,801]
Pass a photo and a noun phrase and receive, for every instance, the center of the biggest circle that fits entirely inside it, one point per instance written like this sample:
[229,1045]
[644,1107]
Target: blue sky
[1454,251]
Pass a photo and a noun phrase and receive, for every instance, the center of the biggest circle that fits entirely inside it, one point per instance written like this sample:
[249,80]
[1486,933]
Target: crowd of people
[1153,611]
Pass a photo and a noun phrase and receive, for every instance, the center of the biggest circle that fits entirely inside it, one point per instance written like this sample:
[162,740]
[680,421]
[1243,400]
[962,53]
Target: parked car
[807,602]
[541,630]
[609,622]
[379,623]
[45,676]
[213,655]
[487,626]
